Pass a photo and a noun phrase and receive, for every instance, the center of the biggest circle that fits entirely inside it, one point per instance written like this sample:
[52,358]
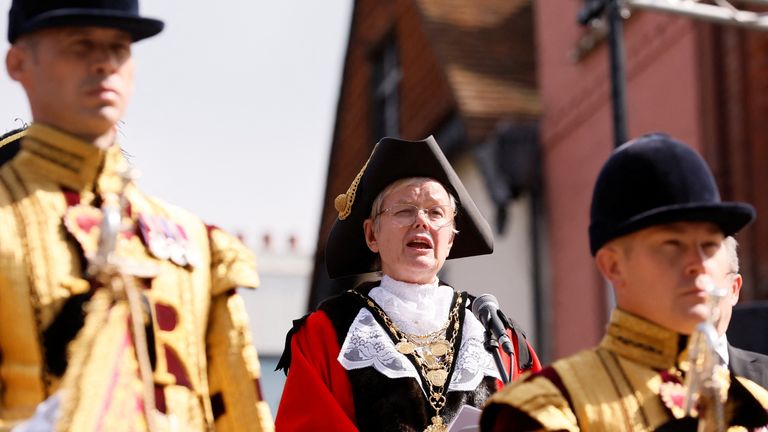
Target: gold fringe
[343,202]
[232,360]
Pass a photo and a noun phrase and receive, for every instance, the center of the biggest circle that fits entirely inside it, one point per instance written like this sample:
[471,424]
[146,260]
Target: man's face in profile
[654,272]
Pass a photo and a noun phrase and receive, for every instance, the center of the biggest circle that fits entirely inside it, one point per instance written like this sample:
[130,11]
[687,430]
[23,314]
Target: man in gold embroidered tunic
[657,222]
[66,335]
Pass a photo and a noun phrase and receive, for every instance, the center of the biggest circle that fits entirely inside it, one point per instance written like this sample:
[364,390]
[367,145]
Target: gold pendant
[439,348]
[431,361]
[437,377]
[405,347]
[437,425]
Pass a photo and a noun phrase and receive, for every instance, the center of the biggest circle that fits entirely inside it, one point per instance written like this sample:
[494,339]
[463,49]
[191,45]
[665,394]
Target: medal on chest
[83,222]
[167,240]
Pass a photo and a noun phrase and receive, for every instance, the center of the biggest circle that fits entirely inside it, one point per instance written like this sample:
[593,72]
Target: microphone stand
[492,346]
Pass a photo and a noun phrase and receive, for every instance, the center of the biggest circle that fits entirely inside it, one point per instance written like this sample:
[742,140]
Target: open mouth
[420,243]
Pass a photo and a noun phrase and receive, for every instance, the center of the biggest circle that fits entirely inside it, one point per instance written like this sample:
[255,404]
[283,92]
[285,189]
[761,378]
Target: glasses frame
[451,211]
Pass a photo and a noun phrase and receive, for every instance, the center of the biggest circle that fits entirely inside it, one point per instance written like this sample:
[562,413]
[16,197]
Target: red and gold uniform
[205,371]
[632,381]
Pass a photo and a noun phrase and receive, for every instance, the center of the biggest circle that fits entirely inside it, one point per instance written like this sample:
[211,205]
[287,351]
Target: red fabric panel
[72,197]
[176,367]
[516,371]
[317,394]
[507,419]
[166,316]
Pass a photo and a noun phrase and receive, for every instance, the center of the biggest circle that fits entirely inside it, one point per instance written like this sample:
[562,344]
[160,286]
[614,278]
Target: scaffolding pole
[722,14]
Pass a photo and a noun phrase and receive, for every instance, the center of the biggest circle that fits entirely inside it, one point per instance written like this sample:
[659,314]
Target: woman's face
[413,252]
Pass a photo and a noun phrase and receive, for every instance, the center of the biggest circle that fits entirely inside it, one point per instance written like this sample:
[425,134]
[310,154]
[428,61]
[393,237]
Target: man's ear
[15,62]
[370,235]
[609,261]
[736,288]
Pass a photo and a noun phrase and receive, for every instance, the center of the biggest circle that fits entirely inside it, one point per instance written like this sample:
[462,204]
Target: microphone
[486,309]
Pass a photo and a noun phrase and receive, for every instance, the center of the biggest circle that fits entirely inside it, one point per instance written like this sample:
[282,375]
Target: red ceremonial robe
[318,394]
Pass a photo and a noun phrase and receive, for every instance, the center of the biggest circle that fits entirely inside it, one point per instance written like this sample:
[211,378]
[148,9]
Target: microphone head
[485,301]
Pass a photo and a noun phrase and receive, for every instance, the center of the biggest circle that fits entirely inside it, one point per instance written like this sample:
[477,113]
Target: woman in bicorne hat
[404,352]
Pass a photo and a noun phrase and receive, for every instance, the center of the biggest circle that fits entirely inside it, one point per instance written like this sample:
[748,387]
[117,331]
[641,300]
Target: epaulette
[10,143]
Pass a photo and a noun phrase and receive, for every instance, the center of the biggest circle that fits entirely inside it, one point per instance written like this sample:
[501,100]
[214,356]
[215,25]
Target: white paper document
[467,420]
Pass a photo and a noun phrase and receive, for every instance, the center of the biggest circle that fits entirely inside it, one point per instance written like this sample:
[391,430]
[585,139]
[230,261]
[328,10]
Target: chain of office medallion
[437,393]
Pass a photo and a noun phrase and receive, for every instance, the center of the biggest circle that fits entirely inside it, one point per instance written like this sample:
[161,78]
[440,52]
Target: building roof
[486,51]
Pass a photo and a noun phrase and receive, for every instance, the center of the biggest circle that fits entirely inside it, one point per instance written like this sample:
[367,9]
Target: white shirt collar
[722,348]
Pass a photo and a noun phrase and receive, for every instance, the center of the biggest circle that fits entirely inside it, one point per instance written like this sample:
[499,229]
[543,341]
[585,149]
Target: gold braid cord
[540,400]
[343,202]
[234,370]
[38,270]
[87,391]
[233,364]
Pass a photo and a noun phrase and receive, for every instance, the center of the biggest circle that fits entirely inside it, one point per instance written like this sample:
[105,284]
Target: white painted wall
[508,272]
[281,298]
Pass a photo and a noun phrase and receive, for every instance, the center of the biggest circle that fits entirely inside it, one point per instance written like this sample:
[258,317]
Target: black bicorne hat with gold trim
[346,252]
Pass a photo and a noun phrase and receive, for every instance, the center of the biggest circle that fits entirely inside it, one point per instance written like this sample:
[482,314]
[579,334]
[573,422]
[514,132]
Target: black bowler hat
[347,253]
[655,180]
[27,16]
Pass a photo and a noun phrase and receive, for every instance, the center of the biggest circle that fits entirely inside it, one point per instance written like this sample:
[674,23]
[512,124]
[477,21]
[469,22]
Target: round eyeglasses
[405,214]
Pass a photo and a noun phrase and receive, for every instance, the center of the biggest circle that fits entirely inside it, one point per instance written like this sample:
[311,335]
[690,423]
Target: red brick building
[702,83]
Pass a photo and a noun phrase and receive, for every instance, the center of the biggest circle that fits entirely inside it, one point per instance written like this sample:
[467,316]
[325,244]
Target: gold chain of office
[432,352]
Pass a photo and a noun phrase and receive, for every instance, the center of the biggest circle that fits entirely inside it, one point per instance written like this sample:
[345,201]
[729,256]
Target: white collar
[722,348]
[368,345]
[414,308]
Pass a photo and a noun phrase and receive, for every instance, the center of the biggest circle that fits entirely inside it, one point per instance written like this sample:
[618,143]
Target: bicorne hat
[346,252]
[27,16]
[655,180]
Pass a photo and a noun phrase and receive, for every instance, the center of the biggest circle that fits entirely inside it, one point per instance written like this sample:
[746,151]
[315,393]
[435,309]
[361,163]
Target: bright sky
[233,111]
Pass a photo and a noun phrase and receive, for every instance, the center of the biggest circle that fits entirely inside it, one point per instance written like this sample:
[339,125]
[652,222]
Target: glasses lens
[405,214]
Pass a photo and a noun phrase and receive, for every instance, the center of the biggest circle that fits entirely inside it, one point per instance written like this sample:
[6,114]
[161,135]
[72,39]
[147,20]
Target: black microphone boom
[486,309]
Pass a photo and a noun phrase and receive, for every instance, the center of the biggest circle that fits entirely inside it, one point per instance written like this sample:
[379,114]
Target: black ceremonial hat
[27,16]
[655,180]
[346,252]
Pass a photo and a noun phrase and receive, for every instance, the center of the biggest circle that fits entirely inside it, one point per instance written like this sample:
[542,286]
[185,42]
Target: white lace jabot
[417,309]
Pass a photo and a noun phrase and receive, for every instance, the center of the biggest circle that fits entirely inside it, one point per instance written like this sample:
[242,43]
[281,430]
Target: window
[386,84]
